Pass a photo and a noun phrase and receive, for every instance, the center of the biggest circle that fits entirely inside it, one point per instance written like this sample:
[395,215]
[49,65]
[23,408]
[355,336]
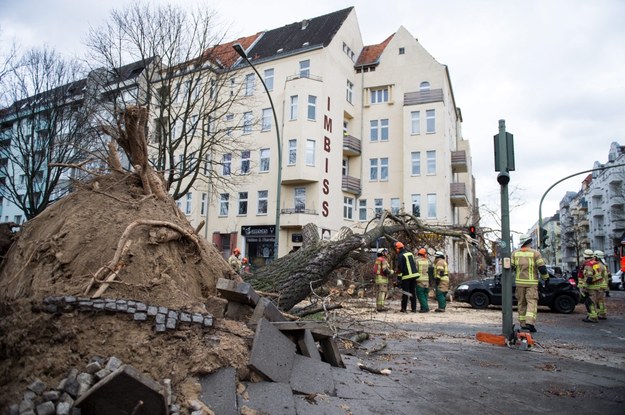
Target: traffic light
[472,232]
[543,238]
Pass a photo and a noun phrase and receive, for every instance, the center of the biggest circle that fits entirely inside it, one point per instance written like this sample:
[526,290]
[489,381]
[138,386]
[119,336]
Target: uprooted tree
[293,276]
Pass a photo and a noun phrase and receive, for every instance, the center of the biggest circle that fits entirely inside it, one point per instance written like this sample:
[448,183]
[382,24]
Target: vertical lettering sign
[325,188]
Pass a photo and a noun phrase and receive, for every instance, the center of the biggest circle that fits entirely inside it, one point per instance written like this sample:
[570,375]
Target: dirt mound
[109,226]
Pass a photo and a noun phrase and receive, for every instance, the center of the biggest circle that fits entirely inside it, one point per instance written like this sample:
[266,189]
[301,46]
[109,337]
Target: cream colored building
[362,128]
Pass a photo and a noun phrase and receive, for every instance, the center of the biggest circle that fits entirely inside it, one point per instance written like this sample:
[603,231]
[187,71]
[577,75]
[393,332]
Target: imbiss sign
[265,233]
[325,188]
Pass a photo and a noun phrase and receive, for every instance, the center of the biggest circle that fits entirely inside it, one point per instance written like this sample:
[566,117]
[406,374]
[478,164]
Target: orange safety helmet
[422,251]
[236,251]
[244,261]
[399,245]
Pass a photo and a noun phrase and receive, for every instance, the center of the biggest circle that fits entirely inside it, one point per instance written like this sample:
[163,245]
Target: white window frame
[299,199]
[415,163]
[263,200]
[431,205]
[265,160]
[293,108]
[188,203]
[415,202]
[203,201]
[245,161]
[349,93]
[269,77]
[250,82]
[431,162]
[348,208]
[243,199]
[379,130]
[224,204]
[266,119]
[395,205]
[304,68]
[430,121]
[379,95]
[415,122]
[292,159]
[312,108]
[227,164]
[310,152]
[362,210]
[378,206]
[247,122]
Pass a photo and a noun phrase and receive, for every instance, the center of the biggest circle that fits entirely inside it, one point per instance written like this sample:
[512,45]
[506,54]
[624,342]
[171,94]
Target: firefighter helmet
[244,261]
[525,239]
[399,245]
[422,251]
[382,251]
[236,251]
[599,254]
[588,253]
[439,254]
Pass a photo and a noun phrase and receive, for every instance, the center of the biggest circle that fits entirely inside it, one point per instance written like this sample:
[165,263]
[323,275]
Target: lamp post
[239,49]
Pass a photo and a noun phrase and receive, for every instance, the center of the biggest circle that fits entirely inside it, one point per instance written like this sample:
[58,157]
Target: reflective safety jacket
[587,270]
[422,266]
[406,265]
[600,274]
[381,269]
[528,263]
[441,273]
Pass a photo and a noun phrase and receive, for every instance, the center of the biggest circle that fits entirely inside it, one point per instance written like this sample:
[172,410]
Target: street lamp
[239,49]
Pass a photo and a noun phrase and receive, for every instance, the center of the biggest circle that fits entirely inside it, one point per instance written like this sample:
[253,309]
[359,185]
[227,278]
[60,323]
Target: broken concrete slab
[219,391]
[306,345]
[125,390]
[269,398]
[272,353]
[318,329]
[310,376]
[240,292]
[265,309]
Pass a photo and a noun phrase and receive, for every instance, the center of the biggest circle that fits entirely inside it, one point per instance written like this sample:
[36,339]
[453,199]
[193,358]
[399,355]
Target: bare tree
[186,87]
[43,130]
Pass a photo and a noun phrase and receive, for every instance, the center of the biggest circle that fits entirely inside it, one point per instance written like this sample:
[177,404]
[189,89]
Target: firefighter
[234,260]
[406,277]
[588,275]
[441,273]
[423,280]
[382,270]
[602,313]
[526,262]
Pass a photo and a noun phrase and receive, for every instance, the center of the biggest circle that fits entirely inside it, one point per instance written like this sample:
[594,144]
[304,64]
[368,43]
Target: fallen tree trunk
[295,275]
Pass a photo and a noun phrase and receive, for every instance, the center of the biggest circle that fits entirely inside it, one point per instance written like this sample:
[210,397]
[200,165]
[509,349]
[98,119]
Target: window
[415,122]
[402,51]
[431,156]
[345,167]
[299,199]
[293,112]
[379,95]
[262,202]
[249,84]
[247,122]
[211,91]
[264,159]
[395,205]
[379,130]
[233,83]
[415,163]
[430,117]
[310,152]
[362,209]
[227,164]
[207,165]
[203,204]
[424,86]
[245,161]
[292,151]
[224,200]
[312,107]
[266,120]
[269,79]
[416,205]
[348,208]
[349,93]
[378,169]
[304,68]
[377,206]
[242,203]
[431,205]
[187,207]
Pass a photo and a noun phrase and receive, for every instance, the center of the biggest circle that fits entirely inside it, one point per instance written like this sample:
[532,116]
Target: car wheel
[563,304]
[479,300]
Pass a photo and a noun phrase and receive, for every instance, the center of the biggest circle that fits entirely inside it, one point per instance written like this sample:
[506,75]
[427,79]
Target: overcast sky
[552,69]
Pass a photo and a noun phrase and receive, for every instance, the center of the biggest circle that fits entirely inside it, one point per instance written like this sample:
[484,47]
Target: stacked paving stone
[164,318]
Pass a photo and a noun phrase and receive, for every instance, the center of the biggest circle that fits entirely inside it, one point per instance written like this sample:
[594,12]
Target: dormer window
[424,86]
[402,51]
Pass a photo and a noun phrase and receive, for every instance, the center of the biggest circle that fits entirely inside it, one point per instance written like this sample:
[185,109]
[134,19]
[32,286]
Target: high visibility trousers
[441,298]
[381,296]
[527,304]
[409,292]
[422,295]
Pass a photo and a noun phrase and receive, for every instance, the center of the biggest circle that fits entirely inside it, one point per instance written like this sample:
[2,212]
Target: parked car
[559,294]
[617,281]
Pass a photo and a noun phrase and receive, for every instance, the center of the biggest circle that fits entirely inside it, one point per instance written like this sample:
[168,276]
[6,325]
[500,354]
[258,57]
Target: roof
[370,55]
[307,34]
[224,55]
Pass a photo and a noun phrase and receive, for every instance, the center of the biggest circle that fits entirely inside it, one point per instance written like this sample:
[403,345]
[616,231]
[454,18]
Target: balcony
[351,185]
[351,145]
[296,217]
[617,200]
[583,206]
[459,161]
[423,97]
[583,223]
[458,194]
[618,225]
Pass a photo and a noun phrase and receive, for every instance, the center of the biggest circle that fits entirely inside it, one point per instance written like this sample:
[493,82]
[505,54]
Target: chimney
[305,23]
